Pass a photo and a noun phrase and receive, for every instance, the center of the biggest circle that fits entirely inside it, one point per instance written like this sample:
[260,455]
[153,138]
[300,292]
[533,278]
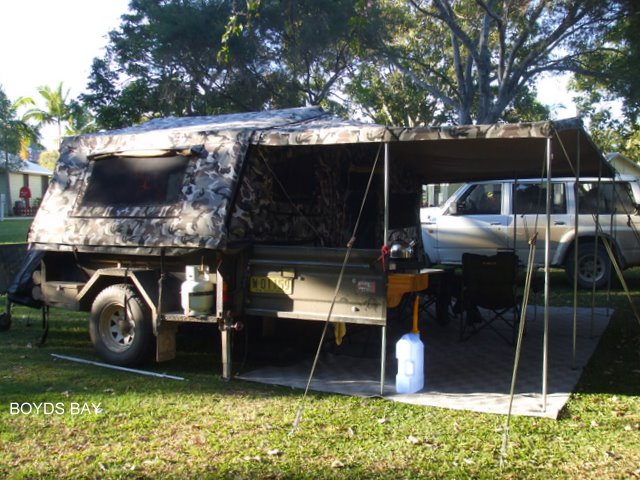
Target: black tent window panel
[129,181]
[296,181]
[125,186]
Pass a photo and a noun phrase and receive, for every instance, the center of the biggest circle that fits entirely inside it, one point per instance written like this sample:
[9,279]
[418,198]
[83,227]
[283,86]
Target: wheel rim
[587,271]
[117,330]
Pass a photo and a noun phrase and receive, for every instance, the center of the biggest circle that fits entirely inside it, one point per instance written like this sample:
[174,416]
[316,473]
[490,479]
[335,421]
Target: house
[27,184]
[623,165]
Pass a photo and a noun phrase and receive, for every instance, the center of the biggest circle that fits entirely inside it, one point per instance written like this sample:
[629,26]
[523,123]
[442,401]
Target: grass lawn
[204,427]
[14,231]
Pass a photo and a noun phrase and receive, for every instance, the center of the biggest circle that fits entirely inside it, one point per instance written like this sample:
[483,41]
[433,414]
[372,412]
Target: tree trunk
[7,182]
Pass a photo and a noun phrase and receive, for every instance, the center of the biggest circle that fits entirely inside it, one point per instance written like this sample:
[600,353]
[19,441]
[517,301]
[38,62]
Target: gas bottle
[410,355]
[197,291]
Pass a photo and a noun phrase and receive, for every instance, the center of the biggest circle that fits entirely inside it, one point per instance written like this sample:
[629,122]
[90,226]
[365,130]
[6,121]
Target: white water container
[197,291]
[410,355]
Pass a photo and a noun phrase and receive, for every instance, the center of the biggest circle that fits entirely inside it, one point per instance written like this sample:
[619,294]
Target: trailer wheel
[587,274]
[121,336]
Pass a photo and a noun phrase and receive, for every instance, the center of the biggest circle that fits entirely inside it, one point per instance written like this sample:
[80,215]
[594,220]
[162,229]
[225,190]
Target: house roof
[31,168]
[624,163]
[27,167]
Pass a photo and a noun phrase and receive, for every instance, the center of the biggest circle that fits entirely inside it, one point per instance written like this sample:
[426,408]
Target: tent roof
[199,220]
[436,154]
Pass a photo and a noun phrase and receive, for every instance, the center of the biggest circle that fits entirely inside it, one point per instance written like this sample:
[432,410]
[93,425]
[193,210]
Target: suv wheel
[590,271]
[120,326]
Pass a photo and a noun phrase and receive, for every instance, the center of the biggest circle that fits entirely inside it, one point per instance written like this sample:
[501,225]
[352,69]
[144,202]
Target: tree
[80,119]
[387,96]
[476,57]
[415,62]
[15,135]
[48,159]
[611,101]
[303,50]
[163,60]
[188,57]
[57,108]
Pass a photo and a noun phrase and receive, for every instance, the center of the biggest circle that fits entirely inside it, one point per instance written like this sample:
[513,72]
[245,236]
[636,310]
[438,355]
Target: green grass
[14,231]
[204,427]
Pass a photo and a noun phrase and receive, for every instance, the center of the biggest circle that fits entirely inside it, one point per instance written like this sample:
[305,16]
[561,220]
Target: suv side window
[481,199]
[605,197]
[531,198]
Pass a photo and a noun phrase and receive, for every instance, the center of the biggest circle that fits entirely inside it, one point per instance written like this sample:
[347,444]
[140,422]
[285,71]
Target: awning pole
[547,254]
[383,348]
[386,193]
[576,194]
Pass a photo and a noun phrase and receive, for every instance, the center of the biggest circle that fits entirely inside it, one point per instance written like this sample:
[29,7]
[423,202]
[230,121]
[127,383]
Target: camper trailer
[288,214]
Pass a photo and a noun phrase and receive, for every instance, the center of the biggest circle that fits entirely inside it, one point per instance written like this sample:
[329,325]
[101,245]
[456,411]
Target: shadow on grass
[29,369]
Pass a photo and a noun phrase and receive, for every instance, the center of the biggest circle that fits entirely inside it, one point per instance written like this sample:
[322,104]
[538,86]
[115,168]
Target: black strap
[45,325]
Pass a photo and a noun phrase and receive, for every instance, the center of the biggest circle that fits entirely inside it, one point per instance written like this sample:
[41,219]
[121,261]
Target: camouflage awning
[462,153]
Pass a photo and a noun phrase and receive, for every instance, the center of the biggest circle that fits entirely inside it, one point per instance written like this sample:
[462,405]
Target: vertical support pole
[386,193]
[576,194]
[547,262]
[224,325]
[596,245]
[383,348]
[225,336]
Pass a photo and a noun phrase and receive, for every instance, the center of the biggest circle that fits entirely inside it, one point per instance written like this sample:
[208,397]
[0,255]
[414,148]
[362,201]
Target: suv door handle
[559,223]
[496,223]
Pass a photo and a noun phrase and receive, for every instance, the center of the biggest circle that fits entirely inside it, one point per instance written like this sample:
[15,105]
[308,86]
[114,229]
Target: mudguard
[19,290]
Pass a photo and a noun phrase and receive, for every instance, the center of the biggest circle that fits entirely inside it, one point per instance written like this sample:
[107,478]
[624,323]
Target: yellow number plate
[271,285]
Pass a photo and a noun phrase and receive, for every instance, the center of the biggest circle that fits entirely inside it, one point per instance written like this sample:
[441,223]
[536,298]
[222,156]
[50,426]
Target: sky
[45,42]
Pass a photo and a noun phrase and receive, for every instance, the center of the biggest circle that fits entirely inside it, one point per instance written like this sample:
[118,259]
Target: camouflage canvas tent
[219,170]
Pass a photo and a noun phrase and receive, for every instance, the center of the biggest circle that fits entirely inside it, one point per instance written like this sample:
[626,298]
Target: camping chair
[489,283]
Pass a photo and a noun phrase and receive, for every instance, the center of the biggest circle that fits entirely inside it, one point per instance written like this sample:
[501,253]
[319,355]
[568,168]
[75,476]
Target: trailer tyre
[121,337]
[587,274]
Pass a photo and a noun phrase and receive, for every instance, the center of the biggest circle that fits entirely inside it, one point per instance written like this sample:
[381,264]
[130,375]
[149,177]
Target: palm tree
[81,119]
[58,109]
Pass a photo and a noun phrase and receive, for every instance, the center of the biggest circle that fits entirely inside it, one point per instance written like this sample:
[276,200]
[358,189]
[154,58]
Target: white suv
[484,217]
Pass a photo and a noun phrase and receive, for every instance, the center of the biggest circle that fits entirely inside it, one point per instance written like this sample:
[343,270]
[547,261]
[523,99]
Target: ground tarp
[473,375]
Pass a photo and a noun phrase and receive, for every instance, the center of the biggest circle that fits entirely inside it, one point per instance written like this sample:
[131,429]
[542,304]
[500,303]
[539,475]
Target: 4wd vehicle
[482,217]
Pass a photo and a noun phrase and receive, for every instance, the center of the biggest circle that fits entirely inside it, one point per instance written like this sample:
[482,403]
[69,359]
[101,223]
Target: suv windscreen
[531,198]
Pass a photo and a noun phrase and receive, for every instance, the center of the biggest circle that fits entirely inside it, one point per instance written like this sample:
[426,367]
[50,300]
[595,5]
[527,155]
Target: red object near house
[25,194]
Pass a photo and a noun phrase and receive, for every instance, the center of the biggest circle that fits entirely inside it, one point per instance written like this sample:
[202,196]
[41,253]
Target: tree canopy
[406,62]
[16,134]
